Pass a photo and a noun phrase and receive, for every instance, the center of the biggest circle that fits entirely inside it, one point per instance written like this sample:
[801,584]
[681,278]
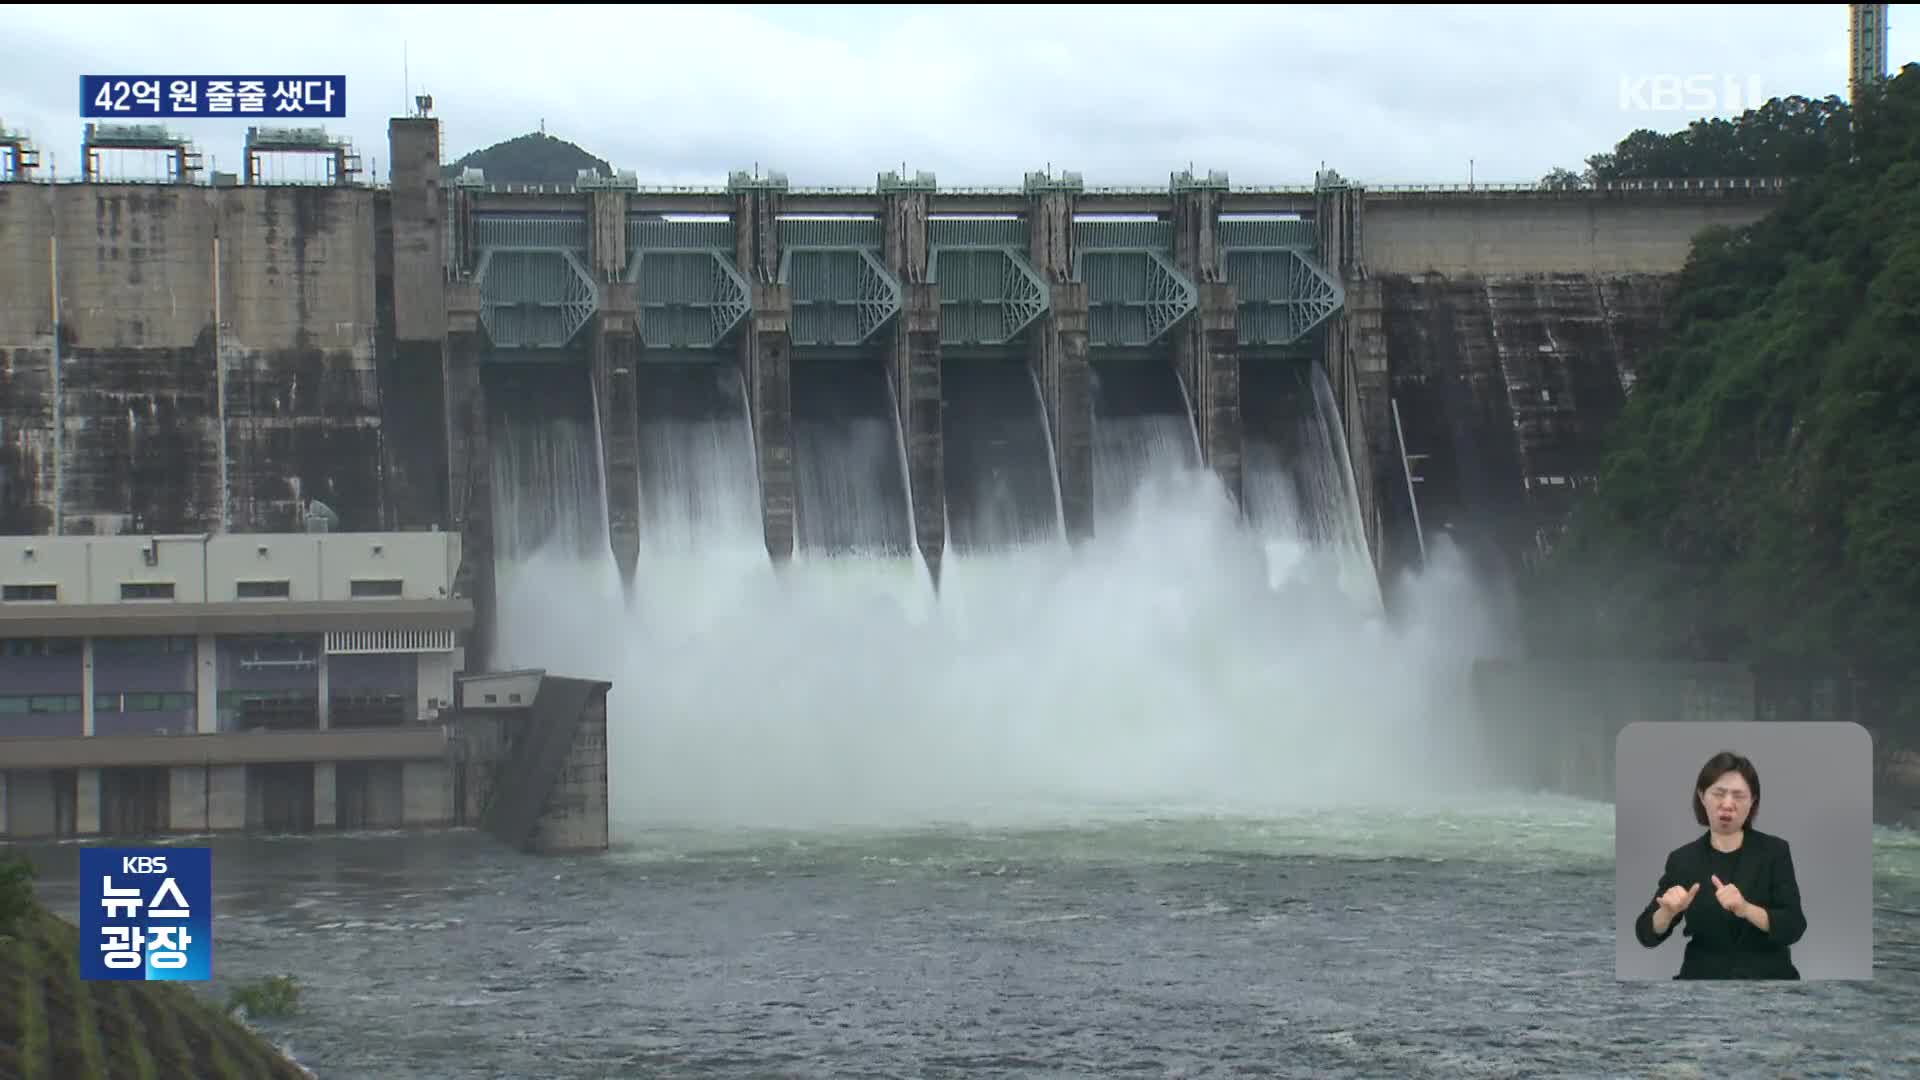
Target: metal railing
[1734,183]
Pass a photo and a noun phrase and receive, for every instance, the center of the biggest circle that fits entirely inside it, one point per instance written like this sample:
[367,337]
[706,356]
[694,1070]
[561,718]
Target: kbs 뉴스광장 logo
[146,914]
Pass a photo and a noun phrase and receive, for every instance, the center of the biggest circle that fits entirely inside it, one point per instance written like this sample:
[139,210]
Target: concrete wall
[1509,329]
[766,361]
[367,794]
[412,266]
[226,797]
[576,816]
[297,349]
[40,803]
[914,363]
[1206,346]
[152,283]
[133,802]
[1555,724]
[532,772]
[326,790]
[1508,387]
[1058,355]
[313,567]
[427,793]
[1460,235]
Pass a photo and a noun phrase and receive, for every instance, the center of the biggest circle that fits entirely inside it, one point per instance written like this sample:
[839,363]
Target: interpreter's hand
[1729,896]
[1675,900]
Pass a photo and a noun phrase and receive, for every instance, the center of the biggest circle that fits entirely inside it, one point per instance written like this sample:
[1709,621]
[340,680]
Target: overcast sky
[1125,95]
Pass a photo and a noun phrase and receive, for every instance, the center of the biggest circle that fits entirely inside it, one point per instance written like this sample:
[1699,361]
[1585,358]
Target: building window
[156,645]
[262,590]
[143,703]
[40,703]
[24,593]
[146,590]
[380,587]
[40,647]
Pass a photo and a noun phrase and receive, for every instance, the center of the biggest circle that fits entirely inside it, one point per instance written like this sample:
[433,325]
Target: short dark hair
[1719,765]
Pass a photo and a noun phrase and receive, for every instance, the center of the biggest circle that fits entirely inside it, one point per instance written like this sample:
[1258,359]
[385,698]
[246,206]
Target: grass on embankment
[53,1026]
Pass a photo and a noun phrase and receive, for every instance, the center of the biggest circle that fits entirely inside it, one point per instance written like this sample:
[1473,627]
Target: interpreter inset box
[1743,851]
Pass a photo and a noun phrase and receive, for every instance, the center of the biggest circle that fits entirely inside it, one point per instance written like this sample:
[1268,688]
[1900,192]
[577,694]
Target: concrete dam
[903,369]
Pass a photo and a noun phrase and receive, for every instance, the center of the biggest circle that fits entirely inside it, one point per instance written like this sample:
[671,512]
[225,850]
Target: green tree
[1761,497]
[1791,136]
[16,892]
[1563,180]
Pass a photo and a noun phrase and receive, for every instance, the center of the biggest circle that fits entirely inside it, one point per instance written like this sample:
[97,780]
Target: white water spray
[1302,498]
[548,491]
[1158,669]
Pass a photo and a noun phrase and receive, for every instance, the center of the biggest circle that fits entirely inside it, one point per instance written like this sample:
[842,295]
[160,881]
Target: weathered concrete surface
[419,234]
[916,376]
[136,413]
[1214,384]
[616,349]
[411,296]
[302,392]
[769,366]
[540,769]
[1508,329]
[1508,386]
[576,813]
[1573,233]
[1058,354]
[1206,346]
[766,360]
[152,283]
[1556,724]
[471,465]
[1354,354]
[915,367]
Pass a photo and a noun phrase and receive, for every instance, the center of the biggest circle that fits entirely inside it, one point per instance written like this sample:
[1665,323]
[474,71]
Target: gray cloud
[979,95]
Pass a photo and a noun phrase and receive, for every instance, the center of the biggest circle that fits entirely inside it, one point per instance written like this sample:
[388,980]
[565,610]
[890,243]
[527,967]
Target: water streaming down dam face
[850,478]
[1298,482]
[1156,669]
[1002,491]
[701,537]
[699,484]
[548,490]
[1141,429]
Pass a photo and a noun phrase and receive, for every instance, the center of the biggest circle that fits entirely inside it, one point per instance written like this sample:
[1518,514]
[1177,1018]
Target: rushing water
[1448,938]
[1299,482]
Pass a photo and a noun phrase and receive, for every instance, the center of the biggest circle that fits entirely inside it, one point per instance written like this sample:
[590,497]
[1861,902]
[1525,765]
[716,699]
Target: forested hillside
[1761,497]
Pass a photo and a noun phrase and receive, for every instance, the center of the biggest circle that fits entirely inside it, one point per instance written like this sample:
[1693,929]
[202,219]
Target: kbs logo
[146,914]
[1709,94]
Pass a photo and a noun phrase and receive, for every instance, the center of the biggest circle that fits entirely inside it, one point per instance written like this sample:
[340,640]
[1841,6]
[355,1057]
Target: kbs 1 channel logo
[291,97]
[146,914]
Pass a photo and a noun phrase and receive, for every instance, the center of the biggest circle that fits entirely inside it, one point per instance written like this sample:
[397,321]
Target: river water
[1446,940]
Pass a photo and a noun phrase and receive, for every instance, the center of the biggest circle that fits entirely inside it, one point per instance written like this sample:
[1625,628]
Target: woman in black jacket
[1734,887]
